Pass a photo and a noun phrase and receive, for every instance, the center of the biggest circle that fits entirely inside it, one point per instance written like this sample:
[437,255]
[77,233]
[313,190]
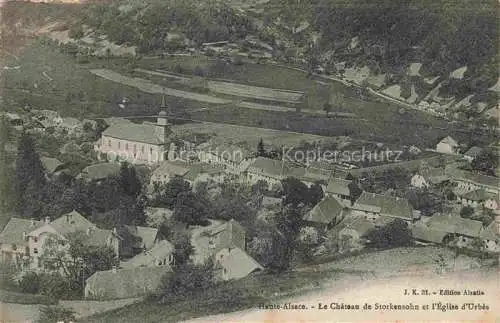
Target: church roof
[144,132]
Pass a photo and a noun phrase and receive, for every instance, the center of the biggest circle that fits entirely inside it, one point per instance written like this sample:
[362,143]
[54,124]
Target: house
[491,237]
[325,214]
[270,202]
[353,232]
[492,113]
[70,125]
[447,145]
[125,283]
[464,229]
[227,235]
[479,197]
[14,244]
[15,120]
[339,188]
[266,169]
[167,170]
[429,176]
[234,263]
[52,166]
[137,143]
[472,153]
[231,158]
[372,206]
[137,239]
[426,234]
[99,172]
[468,181]
[204,173]
[61,228]
[311,176]
[161,254]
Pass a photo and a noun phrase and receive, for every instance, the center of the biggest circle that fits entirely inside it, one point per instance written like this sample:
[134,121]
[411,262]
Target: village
[211,201]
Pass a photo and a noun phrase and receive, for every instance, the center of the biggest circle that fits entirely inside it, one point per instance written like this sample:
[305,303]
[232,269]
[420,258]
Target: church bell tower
[162,125]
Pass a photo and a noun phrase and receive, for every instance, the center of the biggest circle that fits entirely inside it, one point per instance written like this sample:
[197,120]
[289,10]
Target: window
[35,250]
[109,143]
[135,148]
[126,146]
[151,151]
[142,149]
[119,145]
[35,239]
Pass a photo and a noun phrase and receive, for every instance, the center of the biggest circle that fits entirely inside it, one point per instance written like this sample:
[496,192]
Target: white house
[447,145]
[427,177]
[266,169]
[374,206]
[234,263]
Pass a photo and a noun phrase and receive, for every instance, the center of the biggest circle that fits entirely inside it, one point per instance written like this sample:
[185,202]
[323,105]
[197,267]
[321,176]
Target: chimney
[115,232]
[47,219]
[24,236]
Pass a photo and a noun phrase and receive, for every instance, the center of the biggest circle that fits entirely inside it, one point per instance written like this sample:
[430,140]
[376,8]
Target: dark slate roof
[269,167]
[144,132]
[326,211]
[387,205]
[13,231]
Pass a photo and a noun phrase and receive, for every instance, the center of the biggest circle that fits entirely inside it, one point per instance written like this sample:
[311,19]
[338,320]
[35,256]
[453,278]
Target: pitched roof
[160,251]
[474,151]
[146,234]
[72,222]
[98,237]
[268,201]
[359,224]
[231,234]
[425,233]
[172,168]
[386,205]
[450,141]
[478,195]
[100,171]
[314,175]
[491,232]
[269,167]
[51,165]
[455,224]
[202,168]
[144,132]
[338,186]
[127,282]
[70,123]
[13,230]
[325,211]
[237,262]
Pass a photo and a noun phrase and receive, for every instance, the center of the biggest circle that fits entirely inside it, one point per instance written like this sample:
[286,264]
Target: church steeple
[162,125]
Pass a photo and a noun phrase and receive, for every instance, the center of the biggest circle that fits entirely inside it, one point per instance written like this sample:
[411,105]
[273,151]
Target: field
[52,80]
[267,289]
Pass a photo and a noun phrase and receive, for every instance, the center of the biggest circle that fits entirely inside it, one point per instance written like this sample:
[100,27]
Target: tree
[261,150]
[187,280]
[354,191]
[176,186]
[190,209]
[467,212]
[130,183]
[486,162]
[183,249]
[295,191]
[394,234]
[315,194]
[29,168]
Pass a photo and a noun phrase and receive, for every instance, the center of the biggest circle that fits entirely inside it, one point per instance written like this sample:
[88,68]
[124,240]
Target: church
[144,143]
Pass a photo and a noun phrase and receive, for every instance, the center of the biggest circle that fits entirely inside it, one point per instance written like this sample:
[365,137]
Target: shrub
[51,314]
[395,234]
[30,283]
